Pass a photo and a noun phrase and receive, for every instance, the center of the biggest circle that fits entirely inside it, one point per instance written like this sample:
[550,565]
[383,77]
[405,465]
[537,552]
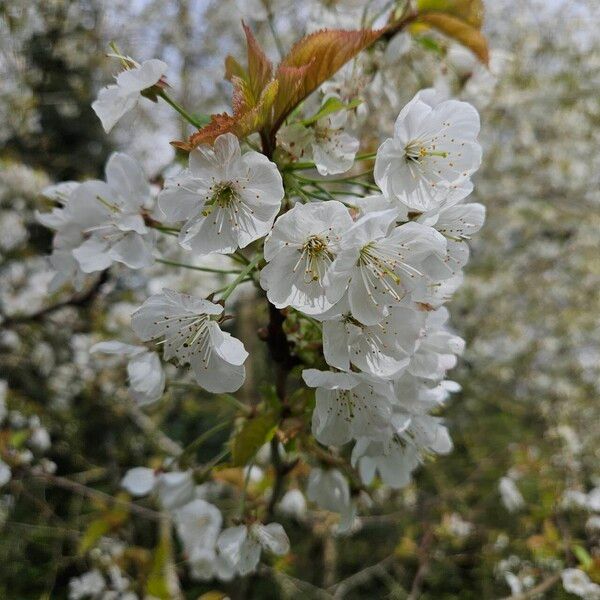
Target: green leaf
[429,44]
[157,585]
[251,437]
[19,437]
[331,105]
[459,30]
[583,556]
[95,530]
[469,11]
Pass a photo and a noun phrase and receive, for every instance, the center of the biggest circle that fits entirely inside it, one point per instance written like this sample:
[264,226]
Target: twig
[341,588]
[542,587]
[83,490]
[286,581]
[147,425]
[424,560]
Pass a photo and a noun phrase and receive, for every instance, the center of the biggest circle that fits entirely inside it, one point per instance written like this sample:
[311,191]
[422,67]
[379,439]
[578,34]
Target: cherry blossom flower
[174,488]
[116,100]
[329,489]
[576,582]
[192,336]
[393,461]
[457,223]
[241,546]
[198,525]
[102,222]
[5,473]
[510,494]
[90,584]
[348,405]
[300,252]
[388,263]
[437,349]
[433,151]
[293,504]
[325,142]
[228,199]
[382,350]
[146,375]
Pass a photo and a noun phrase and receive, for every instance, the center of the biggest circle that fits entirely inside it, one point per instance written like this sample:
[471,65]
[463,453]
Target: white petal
[142,77]
[272,537]
[112,103]
[139,481]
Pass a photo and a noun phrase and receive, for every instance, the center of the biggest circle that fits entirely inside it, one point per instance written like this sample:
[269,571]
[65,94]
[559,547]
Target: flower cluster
[366,260]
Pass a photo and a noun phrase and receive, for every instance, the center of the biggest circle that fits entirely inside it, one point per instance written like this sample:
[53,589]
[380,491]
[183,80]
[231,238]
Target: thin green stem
[271,23]
[167,230]
[184,113]
[304,166]
[205,470]
[191,448]
[241,257]
[245,488]
[243,274]
[221,290]
[334,180]
[174,263]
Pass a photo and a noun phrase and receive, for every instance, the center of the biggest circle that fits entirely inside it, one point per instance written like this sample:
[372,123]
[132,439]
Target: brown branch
[542,587]
[82,490]
[424,560]
[341,588]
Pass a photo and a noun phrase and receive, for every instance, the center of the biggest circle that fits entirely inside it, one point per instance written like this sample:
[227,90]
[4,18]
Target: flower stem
[303,166]
[189,449]
[249,268]
[176,106]
[194,268]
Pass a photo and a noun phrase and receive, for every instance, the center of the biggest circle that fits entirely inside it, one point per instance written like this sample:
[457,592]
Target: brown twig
[341,588]
[542,587]
[424,560]
[83,490]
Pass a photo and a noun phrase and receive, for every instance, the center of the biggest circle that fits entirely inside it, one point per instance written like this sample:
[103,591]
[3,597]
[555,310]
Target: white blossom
[329,489]
[433,151]
[146,375]
[192,336]
[117,99]
[333,149]
[198,525]
[293,503]
[389,263]
[382,350]
[5,473]
[348,405]
[228,199]
[241,546]
[437,348]
[174,488]
[102,222]
[90,584]
[510,494]
[575,581]
[301,251]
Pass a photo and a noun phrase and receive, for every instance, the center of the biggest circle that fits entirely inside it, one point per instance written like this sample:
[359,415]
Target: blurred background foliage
[529,309]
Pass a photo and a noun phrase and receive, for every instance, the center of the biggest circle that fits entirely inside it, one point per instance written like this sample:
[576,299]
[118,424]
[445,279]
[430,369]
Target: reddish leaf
[312,61]
[469,11]
[260,69]
[460,31]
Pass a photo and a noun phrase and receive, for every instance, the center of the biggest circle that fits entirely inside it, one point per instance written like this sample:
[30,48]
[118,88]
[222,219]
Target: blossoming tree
[354,253]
